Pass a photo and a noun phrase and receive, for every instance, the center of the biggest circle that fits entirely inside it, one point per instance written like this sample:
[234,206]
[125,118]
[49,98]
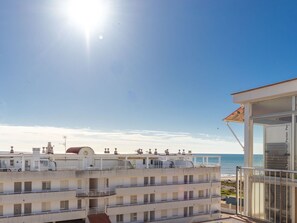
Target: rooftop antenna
[11,149]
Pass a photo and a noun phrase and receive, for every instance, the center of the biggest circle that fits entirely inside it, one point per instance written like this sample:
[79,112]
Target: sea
[230,161]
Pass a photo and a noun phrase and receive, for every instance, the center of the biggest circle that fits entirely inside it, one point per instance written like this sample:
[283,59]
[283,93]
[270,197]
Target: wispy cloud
[24,138]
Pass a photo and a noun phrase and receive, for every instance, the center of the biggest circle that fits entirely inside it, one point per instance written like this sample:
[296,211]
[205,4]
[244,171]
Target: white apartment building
[81,186]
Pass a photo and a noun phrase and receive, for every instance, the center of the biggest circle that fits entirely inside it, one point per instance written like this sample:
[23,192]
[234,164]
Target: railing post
[237,189]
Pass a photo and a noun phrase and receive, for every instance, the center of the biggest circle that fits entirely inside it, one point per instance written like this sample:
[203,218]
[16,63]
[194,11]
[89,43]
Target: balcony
[36,195]
[139,207]
[150,188]
[95,193]
[50,216]
[266,194]
[206,161]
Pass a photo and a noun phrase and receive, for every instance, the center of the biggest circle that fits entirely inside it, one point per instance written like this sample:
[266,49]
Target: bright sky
[144,74]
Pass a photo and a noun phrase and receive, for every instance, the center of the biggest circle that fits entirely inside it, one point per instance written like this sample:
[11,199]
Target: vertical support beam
[293,130]
[248,156]
[293,140]
[23,162]
[248,135]
[147,162]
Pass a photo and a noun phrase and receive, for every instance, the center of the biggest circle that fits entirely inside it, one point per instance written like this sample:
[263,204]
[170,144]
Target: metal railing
[35,191]
[171,184]
[97,210]
[164,201]
[266,194]
[206,161]
[40,213]
[95,192]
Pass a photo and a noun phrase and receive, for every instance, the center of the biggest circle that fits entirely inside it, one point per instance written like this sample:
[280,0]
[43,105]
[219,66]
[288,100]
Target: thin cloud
[24,138]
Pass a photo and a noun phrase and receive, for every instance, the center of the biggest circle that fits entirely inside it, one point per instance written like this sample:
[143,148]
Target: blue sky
[161,65]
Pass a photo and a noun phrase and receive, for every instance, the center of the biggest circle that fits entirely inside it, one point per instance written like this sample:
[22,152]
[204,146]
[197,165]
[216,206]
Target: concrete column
[23,163]
[248,156]
[147,162]
[248,135]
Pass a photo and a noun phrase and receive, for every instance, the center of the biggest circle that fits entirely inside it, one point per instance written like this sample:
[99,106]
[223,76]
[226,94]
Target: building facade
[80,185]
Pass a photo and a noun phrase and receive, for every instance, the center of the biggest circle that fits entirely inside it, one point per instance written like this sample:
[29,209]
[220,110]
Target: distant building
[81,186]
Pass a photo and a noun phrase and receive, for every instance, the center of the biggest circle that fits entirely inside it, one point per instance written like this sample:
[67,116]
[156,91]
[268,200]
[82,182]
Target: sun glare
[88,14]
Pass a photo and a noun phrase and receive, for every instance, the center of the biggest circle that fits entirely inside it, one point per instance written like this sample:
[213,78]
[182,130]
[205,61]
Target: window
[152,198]
[186,179]
[175,196]
[191,194]
[185,195]
[64,185]
[79,204]
[164,213]
[119,200]
[133,199]
[175,179]
[1,188]
[46,185]
[17,187]
[145,181]
[28,186]
[133,181]
[145,198]
[185,211]
[191,211]
[201,193]
[106,182]
[191,179]
[11,163]
[1,210]
[36,164]
[133,217]
[28,208]
[45,206]
[79,184]
[152,179]
[64,205]
[17,209]
[152,215]
[164,197]
[120,218]
[163,180]
[145,216]
[175,212]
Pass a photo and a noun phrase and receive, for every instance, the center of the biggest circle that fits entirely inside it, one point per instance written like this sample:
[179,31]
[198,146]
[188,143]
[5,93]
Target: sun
[88,14]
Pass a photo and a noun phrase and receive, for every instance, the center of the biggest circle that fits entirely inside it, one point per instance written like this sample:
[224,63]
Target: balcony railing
[171,184]
[165,201]
[35,191]
[97,210]
[40,213]
[206,161]
[95,193]
[266,194]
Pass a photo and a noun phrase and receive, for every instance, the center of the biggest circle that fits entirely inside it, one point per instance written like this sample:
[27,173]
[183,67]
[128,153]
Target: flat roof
[264,86]
[271,91]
